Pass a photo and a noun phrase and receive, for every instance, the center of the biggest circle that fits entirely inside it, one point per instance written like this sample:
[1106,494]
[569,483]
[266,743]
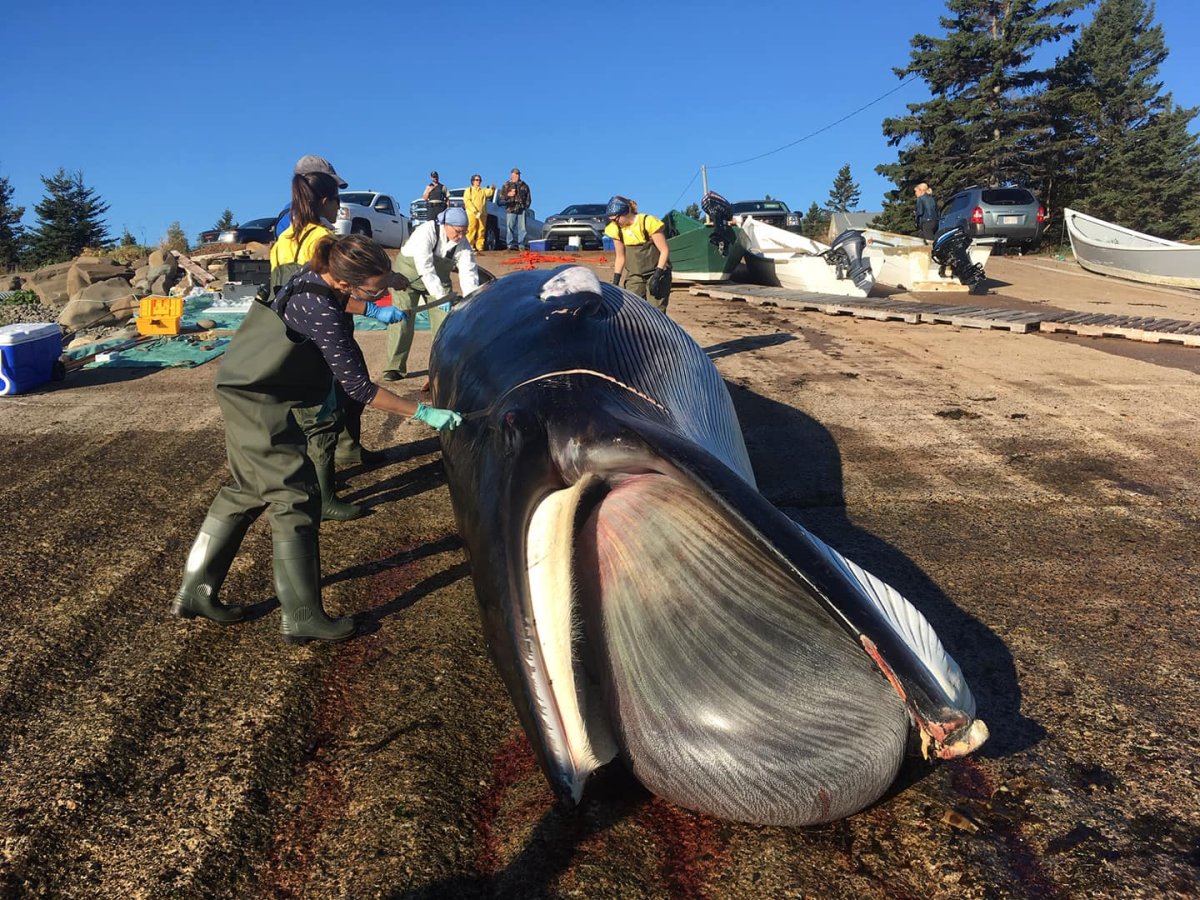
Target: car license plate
[1009,220]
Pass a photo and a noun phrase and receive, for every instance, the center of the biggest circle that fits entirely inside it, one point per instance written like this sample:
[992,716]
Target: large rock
[89,270]
[50,284]
[106,291]
[79,314]
[124,308]
[163,258]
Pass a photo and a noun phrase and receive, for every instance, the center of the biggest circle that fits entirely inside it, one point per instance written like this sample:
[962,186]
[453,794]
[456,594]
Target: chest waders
[332,427]
[400,334]
[640,262]
[266,374]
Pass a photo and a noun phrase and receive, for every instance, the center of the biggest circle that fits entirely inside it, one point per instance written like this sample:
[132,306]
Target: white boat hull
[779,258]
[902,261]
[1108,249]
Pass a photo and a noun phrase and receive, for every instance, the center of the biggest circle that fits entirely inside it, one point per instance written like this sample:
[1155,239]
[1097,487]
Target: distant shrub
[21,298]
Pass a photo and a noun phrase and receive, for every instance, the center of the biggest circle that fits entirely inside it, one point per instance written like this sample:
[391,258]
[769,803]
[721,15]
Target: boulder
[85,314]
[106,291]
[163,258]
[82,341]
[51,291]
[88,270]
[206,324]
[124,308]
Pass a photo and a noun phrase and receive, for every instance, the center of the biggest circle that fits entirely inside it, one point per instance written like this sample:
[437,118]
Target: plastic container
[249,271]
[28,355]
[538,246]
[160,315]
[607,243]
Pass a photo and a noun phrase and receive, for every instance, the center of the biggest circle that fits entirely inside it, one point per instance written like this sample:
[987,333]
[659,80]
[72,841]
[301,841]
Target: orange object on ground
[528,259]
[160,315]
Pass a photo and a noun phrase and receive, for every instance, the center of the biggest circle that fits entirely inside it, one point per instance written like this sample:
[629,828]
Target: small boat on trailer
[779,258]
[1108,249]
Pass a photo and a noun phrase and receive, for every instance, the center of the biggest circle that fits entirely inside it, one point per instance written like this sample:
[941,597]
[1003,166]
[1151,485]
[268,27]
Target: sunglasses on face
[357,294]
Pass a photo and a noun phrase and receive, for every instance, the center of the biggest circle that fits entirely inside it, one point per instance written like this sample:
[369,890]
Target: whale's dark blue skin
[639,596]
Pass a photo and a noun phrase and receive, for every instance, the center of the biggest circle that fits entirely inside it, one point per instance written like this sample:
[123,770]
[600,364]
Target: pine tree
[845,193]
[693,210]
[127,238]
[815,223]
[976,126]
[12,235]
[175,238]
[1137,164]
[69,220]
[226,221]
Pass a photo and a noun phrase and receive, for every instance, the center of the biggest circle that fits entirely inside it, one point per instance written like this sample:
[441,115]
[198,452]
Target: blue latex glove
[439,419]
[388,315]
[445,307]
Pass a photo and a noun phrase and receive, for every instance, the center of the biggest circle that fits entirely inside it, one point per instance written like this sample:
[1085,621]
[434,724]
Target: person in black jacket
[437,198]
[927,212]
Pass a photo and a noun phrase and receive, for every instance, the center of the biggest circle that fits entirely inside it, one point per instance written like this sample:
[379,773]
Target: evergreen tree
[815,223]
[693,210]
[1136,162]
[226,221]
[12,235]
[845,193]
[69,220]
[175,238]
[127,238]
[976,126]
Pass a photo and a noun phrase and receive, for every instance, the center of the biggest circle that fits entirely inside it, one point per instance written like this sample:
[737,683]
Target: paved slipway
[1035,496]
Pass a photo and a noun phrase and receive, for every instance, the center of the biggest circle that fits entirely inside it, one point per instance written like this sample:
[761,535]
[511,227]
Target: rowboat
[699,251]
[903,261]
[1109,249]
[780,258]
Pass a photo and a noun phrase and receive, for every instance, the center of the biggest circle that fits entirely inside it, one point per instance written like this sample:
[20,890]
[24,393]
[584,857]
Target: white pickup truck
[373,214]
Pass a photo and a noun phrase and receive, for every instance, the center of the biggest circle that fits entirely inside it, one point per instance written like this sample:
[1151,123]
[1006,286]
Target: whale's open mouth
[661,628]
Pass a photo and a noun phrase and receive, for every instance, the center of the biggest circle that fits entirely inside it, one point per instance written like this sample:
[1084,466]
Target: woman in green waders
[284,357]
[640,250]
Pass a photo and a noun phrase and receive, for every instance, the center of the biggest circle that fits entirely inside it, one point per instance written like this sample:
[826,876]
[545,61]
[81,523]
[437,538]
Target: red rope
[528,259]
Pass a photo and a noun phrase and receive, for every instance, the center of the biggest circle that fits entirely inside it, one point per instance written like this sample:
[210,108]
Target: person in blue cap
[640,251]
[434,250]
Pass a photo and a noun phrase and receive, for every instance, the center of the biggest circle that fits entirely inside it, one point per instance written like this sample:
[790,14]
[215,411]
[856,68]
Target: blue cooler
[607,243]
[28,353]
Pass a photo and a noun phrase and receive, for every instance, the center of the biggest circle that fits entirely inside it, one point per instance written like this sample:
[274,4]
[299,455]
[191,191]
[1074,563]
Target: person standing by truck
[516,199]
[437,198]
[475,201]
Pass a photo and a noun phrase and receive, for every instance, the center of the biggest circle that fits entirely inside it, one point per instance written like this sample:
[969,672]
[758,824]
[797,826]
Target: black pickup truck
[772,212]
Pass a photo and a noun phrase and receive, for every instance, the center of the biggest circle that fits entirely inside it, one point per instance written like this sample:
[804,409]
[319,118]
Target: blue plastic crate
[538,246]
[607,243]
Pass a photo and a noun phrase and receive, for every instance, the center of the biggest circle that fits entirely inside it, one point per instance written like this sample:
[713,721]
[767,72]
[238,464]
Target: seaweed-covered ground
[1035,496]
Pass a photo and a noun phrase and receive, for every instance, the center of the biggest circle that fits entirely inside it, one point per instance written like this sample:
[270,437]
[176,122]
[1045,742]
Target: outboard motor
[846,255]
[949,251]
[720,211]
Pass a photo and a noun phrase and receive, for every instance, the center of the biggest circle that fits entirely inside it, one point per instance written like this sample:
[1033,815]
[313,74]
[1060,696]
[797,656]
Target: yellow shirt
[638,233]
[284,251]
[475,200]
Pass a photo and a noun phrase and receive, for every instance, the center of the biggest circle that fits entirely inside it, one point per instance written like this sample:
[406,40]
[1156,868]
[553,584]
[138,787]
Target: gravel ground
[1036,497]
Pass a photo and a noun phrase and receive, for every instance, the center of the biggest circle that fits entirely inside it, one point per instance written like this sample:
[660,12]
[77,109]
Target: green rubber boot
[331,506]
[207,565]
[298,586]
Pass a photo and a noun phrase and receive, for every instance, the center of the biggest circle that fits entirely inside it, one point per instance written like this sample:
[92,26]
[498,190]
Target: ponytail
[309,191]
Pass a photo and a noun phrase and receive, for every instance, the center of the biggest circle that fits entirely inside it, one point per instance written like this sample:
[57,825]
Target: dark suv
[1000,215]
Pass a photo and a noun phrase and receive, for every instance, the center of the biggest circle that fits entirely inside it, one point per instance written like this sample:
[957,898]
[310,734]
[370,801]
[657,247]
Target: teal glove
[445,307]
[439,419]
[388,315]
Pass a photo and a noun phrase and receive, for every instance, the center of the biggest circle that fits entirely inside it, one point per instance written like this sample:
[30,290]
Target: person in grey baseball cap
[307,164]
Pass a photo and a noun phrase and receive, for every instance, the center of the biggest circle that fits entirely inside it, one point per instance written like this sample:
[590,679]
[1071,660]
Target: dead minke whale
[640,599]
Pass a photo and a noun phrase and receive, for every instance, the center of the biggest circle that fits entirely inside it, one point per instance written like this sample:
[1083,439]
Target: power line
[675,205]
[818,131]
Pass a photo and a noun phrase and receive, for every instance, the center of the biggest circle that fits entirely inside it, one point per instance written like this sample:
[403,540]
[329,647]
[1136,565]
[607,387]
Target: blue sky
[177,111]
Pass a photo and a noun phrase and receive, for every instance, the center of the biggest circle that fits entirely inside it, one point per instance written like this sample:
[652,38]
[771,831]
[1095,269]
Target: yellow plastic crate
[160,315]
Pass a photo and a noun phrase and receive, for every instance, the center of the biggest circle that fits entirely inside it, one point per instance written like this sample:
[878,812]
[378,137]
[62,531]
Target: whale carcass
[640,598]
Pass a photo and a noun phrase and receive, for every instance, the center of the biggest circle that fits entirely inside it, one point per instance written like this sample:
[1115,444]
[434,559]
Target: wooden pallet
[1150,329]
[879,308]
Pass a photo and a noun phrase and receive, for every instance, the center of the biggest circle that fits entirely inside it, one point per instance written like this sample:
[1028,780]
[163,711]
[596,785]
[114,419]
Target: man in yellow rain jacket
[475,199]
